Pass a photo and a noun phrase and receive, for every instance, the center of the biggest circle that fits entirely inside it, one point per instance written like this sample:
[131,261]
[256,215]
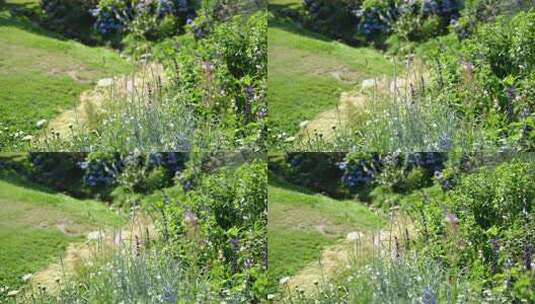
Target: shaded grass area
[307,72]
[37,226]
[300,225]
[42,74]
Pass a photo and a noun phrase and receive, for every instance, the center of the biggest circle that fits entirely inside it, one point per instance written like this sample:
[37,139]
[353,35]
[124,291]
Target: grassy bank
[42,73]
[300,225]
[37,225]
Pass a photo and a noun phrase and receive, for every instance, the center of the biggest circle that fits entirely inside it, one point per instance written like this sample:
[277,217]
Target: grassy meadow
[301,224]
[308,71]
[37,224]
[43,74]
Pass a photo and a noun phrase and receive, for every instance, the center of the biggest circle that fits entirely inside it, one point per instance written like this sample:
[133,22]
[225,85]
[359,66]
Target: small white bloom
[41,123]
[27,277]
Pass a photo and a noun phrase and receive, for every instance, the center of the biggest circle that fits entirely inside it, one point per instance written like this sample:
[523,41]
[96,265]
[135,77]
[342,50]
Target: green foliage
[57,170]
[317,172]
[333,18]
[488,218]
[224,219]
[494,66]
[222,76]
[71,18]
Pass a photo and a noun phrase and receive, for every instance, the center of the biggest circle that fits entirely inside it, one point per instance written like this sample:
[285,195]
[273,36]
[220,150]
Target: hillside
[308,72]
[301,225]
[37,225]
[43,74]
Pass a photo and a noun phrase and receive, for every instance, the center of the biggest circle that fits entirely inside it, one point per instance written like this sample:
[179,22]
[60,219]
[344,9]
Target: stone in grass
[27,277]
[41,124]
[368,83]
[105,82]
[94,236]
[12,293]
[354,236]
[303,124]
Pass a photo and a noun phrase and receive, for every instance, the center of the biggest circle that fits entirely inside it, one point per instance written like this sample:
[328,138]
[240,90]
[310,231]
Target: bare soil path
[93,103]
[355,249]
[139,228]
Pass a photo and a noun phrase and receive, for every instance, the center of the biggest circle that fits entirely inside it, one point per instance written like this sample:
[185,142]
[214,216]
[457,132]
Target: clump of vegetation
[201,80]
[471,239]
[208,230]
[214,98]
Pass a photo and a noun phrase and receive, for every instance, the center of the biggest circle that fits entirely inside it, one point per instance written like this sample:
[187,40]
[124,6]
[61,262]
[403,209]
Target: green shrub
[58,171]
[487,225]
[223,217]
[72,18]
[487,83]
[334,18]
[318,172]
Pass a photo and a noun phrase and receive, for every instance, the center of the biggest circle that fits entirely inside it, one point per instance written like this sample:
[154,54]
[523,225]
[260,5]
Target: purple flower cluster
[359,173]
[102,172]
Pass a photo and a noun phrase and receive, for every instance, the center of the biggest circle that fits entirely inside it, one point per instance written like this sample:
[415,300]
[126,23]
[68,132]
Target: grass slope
[36,226]
[307,71]
[300,225]
[42,74]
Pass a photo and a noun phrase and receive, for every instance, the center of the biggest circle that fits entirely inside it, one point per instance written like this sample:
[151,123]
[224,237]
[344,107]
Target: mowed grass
[37,225]
[42,74]
[307,72]
[300,225]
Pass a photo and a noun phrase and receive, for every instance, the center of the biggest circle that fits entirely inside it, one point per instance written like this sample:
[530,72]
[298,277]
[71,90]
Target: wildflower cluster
[489,222]
[147,19]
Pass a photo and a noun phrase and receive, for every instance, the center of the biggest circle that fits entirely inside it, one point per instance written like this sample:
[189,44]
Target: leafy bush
[494,67]
[69,17]
[489,221]
[223,218]
[476,12]
[222,75]
[317,172]
[334,18]
[375,20]
[57,170]
[397,172]
[144,20]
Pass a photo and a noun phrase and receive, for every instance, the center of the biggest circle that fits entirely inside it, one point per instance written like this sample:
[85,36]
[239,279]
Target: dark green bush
[221,73]
[60,171]
[487,224]
[318,172]
[489,81]
[335,18]
[224,219]
[71,18]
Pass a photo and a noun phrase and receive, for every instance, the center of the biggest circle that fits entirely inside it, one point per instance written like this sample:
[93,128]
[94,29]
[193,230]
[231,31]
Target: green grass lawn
[36,226]
[42,74]
[307,71]
[301,224]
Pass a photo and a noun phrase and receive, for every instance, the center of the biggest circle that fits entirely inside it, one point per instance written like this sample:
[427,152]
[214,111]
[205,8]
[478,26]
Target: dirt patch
[91,108]
[77,254]
[352,105]
[326,124]
[65,228]
[341,73]
[355,249]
